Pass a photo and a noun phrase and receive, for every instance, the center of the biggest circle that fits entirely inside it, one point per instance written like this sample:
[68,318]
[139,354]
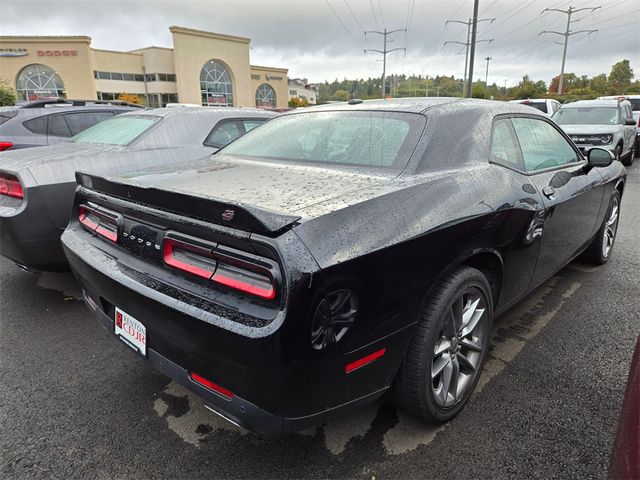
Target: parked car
[634,100]
[37,185]
[48,122]
[340,252]
[545,105]
[600,123]
[625,458]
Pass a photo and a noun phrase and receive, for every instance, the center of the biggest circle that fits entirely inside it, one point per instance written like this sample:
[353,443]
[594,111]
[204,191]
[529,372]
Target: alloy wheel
[457,354]
[610,228]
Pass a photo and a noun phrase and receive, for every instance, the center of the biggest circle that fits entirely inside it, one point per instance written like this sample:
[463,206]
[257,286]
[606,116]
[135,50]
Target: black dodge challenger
[340,252]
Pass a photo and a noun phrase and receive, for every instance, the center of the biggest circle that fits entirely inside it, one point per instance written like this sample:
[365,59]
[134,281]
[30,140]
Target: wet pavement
[74,403]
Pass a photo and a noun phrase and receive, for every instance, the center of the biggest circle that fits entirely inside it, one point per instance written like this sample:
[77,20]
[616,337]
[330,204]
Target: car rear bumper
[17,245]
[236,410]
[275,388]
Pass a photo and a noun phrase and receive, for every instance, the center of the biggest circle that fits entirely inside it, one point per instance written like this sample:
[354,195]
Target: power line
[384,53]
[343,25]
[373,10]
[567,33]
[353,15]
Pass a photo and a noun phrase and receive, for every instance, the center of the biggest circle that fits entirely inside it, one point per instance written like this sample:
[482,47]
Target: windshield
[586,116]
[364,138]
[120,130]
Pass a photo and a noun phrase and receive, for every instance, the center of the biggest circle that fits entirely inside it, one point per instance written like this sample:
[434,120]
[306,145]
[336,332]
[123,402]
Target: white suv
[600,123]
[545,105]
[635,106]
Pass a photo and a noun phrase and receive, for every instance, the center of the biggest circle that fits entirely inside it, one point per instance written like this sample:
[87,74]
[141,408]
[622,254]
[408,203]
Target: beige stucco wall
[76,70]
[193,48]
[276,78]
[157,59]
[110,61]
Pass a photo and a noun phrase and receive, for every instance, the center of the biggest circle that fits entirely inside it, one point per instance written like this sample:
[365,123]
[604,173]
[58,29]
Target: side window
[224,132]
[37,125]
[253,123]
[542,145]
[80,121]
[58,126]
[504,145]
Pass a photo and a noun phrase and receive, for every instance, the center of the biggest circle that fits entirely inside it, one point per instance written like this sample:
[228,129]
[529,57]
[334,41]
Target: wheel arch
[620,186]
[488,260]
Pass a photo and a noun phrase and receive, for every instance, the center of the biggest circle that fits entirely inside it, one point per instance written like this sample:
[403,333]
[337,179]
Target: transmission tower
[384,53]
[566,34]
[467,44]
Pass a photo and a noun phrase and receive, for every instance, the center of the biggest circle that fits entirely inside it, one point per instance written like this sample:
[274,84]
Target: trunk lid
[261,197]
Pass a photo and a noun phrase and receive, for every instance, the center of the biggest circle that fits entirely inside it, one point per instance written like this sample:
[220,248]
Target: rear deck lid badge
[228,215]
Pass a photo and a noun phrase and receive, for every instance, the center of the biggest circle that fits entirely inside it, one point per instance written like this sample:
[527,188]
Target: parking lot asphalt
[75,403]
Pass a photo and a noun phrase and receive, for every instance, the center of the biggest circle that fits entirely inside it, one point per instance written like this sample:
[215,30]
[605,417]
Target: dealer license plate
[131,332]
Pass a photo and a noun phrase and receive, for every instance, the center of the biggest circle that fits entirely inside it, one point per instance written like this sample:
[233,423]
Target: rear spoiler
[233,215]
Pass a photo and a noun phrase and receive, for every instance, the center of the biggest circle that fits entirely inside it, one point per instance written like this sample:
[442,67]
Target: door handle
[548,192]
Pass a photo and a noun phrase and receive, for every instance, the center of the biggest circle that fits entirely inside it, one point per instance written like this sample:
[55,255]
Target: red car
[625,461]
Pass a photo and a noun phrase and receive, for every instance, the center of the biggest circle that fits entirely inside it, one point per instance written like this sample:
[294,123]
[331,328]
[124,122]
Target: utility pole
[472,53]
[384,53]
[566,34]
[486,73]
[467,44]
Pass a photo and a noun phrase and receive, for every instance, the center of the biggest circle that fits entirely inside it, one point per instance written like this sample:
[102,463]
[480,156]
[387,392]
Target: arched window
[215,85]
[265,96]
[38,81]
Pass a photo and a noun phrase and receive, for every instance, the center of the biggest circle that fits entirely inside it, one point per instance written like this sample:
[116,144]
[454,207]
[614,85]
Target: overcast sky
[324,39]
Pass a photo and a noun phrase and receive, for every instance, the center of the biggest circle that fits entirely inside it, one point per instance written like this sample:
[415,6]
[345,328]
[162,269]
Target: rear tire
[446,354]
[599,252]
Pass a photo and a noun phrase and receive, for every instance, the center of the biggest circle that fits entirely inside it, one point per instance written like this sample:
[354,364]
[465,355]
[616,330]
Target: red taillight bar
[5,146]
[96,222]
[182,264]
[350,367]
[219,268]
[268,293]
[11,186]
[210,385]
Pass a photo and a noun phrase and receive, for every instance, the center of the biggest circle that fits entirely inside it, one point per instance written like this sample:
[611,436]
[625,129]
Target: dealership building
[202,68]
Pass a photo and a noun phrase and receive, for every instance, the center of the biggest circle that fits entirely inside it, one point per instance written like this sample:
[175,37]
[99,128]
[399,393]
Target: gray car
[37,185]
[50,122]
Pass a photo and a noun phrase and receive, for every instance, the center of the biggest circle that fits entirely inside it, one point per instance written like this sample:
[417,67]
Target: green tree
[599,84]
[342,95]
[479,90]
[620,77]
[7,94]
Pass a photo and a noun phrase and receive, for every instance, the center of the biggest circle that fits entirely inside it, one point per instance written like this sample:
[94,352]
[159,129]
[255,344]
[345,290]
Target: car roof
[421,105]
[223,112]
[593,103]
[523,100]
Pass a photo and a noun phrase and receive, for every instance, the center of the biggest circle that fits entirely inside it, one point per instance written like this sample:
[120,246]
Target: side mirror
[630,121]
[599,157]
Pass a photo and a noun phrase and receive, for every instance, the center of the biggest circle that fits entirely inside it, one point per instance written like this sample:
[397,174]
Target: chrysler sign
[13,52]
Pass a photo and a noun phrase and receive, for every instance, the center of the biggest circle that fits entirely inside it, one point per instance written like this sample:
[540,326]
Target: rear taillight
[5,146]
[98,222]
[218,267]
[11,186]
[638,122]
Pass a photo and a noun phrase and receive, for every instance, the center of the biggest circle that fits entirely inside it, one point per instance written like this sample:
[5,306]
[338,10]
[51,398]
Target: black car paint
[390,240]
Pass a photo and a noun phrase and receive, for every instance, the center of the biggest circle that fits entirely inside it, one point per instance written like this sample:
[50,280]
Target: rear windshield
[121,130]
[586,116]
[362,138]
[542,106]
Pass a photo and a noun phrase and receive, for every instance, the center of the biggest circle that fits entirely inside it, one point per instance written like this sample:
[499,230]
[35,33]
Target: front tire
[446,355]
[628,160]
[599,252]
